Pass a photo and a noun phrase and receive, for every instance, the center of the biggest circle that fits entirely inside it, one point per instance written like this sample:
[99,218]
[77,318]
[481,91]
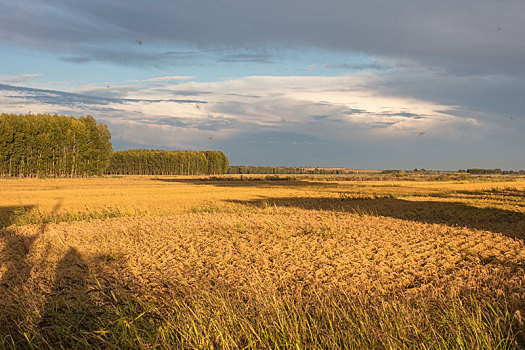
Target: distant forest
[57,145]
[157,162]
[460,171]
[246,169]
[493,171]
[53,145]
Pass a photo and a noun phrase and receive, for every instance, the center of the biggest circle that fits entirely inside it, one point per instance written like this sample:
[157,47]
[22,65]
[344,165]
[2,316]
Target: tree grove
[57,145]
[53,145]
[159,162]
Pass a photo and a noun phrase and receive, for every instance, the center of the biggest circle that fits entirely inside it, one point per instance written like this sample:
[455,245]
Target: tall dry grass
[262,264]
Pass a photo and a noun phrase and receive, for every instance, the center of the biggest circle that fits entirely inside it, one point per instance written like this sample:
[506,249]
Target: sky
[370,84]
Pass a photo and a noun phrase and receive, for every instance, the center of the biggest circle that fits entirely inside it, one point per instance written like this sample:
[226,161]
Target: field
[354,261]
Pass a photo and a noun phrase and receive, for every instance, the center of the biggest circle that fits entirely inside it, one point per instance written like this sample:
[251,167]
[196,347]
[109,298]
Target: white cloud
[364,113]
[347,106]
[19,79]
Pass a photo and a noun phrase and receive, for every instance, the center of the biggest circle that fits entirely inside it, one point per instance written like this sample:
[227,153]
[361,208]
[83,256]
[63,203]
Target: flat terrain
[263,262]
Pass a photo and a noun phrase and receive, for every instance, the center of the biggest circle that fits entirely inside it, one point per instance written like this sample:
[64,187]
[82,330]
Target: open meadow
[320,261]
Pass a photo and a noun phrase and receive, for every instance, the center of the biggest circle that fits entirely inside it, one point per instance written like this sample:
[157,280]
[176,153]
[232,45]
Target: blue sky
[376,84]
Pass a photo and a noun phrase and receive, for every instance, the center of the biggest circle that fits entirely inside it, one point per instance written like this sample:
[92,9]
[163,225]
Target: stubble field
[263,262]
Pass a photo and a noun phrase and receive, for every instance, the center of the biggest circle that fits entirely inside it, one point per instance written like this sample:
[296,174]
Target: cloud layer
[304,120]
[359,83]
[467,35]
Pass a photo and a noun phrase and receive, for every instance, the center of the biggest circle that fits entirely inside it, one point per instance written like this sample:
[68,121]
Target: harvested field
[295,262]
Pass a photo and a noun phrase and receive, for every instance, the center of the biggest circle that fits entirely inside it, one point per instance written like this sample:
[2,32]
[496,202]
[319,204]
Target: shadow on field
[503,193]
[80,303]
[63,308]
[13,255]
[509,223]
[268,181]
[9,214]
[16,266]
[16,271]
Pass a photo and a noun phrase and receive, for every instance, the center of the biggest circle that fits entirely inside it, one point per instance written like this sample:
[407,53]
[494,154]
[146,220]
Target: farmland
[354,261]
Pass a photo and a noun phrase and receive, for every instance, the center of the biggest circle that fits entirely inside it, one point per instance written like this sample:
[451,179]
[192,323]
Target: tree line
[57,145]
[53,145]
[493,171]
[247,169]
[160,162]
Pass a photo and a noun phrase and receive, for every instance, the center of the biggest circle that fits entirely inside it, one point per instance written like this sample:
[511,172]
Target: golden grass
[304,262]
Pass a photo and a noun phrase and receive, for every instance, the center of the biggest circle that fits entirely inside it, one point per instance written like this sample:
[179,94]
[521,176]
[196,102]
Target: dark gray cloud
[404,115]
[133,56]
[378,125]
[296,149]
[242,95]
[356,66]
[273,148]
[464,35]
[53,96]
[161,89]
[210,123]
[56,97]
[247,57]
[77,59]
[495,95]
[408,115]
[355,111]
